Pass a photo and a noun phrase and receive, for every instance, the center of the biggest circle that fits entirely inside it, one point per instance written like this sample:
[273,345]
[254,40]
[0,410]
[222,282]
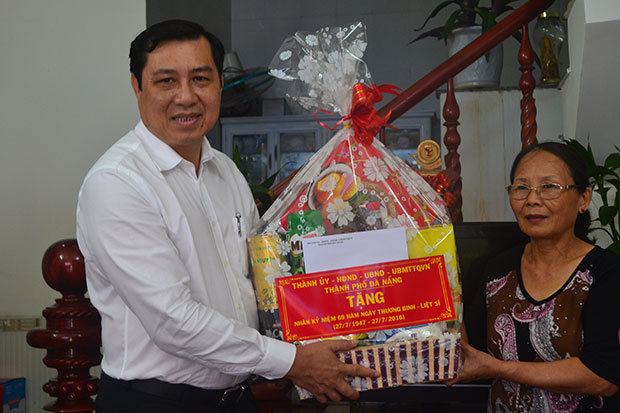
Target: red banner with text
[366,298]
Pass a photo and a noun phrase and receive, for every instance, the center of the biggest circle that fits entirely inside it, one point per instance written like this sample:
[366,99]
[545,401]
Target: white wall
[591,91]
[490,130]
[65,97]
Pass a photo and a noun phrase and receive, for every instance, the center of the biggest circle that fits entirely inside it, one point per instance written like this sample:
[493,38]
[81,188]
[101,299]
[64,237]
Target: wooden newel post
[527,83]
[72,335]
[452,140]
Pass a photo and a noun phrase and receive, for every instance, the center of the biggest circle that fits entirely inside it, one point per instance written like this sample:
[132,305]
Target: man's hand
[317,369]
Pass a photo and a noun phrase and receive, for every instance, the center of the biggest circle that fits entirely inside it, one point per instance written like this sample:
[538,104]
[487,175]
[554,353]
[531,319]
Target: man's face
[180,97]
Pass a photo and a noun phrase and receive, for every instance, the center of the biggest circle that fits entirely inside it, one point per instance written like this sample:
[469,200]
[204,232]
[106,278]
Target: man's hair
[153,36]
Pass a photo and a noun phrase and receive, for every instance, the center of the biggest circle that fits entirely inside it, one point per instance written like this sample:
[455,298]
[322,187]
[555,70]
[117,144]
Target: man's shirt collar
[164,156]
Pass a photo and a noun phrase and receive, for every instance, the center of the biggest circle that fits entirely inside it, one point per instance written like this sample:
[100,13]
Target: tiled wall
[260,26]
[256,28]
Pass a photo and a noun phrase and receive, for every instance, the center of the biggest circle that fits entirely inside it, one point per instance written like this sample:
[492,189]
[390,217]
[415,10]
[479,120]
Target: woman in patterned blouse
[553,304]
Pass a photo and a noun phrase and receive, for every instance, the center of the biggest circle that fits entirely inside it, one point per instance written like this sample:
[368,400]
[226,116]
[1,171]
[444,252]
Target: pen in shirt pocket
[238,218]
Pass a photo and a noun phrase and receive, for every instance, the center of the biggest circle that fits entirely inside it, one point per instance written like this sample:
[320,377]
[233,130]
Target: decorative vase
[484,72]
[549,36]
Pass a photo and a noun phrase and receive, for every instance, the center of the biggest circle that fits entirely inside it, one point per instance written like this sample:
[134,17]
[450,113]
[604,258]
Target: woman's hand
[562,376]
[475,365]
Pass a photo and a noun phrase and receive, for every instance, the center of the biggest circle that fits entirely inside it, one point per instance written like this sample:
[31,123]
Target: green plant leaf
[575,144]
[260,191]
[436,32]
[435,11]
[265,200]
[269,181]
[586,153]
[468,12]
[603,178]
[602,189]
[237,157]
[590,161]
[607,214]
[450,24]
[465,15]
[598,171]
[488,19]
[613,161]
[257,191]
[615,248]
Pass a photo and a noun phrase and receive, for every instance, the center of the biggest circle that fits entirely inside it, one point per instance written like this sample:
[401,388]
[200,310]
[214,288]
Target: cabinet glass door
[254,155]
[295,149]
[403,142]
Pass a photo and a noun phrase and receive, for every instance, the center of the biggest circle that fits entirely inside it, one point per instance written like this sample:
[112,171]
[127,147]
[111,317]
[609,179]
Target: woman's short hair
[576,167]
[153,36]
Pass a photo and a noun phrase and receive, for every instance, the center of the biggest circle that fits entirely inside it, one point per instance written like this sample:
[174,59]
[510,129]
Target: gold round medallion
[428,156]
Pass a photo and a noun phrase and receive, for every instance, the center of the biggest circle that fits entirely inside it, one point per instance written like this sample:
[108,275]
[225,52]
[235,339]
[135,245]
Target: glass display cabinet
[268,144]
[404,141]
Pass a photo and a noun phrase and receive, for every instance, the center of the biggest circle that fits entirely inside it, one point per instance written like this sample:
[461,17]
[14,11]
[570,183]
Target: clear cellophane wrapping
[350,185]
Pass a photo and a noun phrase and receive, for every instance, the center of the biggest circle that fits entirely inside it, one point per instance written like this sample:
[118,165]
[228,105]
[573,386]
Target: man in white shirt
[162,221]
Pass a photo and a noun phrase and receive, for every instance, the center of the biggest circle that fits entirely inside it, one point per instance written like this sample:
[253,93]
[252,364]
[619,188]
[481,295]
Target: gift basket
[358,245]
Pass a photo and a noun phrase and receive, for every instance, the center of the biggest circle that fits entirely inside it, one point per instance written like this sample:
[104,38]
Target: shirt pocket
[240,224]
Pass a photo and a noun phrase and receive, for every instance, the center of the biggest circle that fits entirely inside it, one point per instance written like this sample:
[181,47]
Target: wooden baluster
[73,331]
[527,83]
[452,140]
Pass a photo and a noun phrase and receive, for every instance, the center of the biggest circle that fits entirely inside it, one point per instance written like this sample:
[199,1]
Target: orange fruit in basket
[350,185]
[331,185]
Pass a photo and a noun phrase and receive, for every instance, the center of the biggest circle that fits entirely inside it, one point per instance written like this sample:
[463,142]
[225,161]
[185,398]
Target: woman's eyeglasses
[546,191]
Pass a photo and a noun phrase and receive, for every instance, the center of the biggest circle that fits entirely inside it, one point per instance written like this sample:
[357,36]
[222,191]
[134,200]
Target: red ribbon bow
[364,119]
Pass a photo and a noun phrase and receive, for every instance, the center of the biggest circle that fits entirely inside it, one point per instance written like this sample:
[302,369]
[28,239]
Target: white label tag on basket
[332,252]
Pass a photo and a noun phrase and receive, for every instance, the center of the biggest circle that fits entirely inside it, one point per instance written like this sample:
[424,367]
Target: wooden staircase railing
[527,85]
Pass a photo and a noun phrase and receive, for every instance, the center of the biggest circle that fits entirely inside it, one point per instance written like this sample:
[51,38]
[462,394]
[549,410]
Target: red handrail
[466,56]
